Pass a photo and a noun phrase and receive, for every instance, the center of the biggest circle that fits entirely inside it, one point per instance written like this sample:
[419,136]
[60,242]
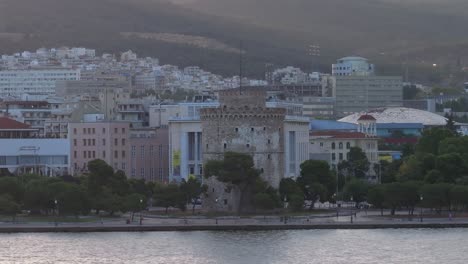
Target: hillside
[104,24]
[208,32]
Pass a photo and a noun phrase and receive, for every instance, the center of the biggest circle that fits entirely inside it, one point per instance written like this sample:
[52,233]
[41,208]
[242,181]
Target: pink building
[141,153]
[149,154]
[99,140]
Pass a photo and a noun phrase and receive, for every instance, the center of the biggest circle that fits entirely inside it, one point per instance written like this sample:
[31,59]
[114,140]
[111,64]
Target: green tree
[72,200]
[236,169]
[8,206]
[133,203]
[451,166]
[357,165]
[100,173]
[264,201]
[12,186]
[357,190]
[289,187]
[434,176]
[459,196]
[436,195]
[192,190]
[450,124]
[169,196]
[316,181]
[376,197]
[392,194]
[431,139]
[296,202]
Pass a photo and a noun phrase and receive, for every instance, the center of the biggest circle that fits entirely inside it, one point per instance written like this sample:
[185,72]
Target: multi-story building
[334,146]
[352,66]
[40,81]
[21,152]
[149,154]
[33,113]
[363,93]
[107,141]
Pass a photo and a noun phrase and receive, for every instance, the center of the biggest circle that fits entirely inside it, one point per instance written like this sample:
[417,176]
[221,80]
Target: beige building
[333,147]
[99,140]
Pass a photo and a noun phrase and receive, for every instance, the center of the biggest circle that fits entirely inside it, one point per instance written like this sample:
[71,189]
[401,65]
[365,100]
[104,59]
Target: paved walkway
[362,220]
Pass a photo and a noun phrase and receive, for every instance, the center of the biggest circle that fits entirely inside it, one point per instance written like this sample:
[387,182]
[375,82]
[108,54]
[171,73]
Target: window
[103,130]
[94,142]
[94,154]
[89,142]
[252,129]
[133,151]
[123,154]
[321,144]
[123,130]
[348,145]
[84,142]
[341,156]
[133,172]
[123,141]
[74,142]
[142,172]
[142,151]
[225,145]
[151,150]
[103,141]
[123,166]
[74,131]
[237,129]
[104,154]
[333,145]
[84,130]
[333,156]
[116,154]
[116,131]
[269,156]
[89,130]
[225,201]
[74,154]
[94,131]
[248,145]
[340,145]
[269,141]
[84,154]
[116,142]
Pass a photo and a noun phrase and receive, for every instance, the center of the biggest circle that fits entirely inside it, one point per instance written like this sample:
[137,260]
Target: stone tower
[243,124]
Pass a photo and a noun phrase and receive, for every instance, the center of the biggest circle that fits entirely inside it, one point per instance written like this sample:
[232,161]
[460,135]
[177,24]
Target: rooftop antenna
[240,67]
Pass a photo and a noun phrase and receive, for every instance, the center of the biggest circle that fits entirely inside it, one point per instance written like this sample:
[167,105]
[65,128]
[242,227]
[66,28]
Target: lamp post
[141,209]
[421,198]
[335,197]
[352,209]
[216,210]
[57,211]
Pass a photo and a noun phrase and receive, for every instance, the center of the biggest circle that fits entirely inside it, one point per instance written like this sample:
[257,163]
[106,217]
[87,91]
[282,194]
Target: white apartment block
[35,82]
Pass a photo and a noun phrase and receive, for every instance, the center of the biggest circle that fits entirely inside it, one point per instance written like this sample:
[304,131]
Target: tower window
[248,145]
[237,129]
[225,145]
[252,129]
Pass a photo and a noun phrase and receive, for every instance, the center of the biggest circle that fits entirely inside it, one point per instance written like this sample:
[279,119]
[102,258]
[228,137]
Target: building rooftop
[339,135]
[366,117]
[10,124]
[400,115]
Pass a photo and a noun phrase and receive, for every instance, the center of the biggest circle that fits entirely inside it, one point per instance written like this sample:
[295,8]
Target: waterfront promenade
[361,220]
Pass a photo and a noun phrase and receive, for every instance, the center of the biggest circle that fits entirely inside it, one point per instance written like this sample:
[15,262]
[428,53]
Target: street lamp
[216,211]
[57,211]
[421,213]
[141,209]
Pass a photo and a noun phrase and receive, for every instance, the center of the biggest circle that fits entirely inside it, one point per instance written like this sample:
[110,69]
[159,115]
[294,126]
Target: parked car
[363,205]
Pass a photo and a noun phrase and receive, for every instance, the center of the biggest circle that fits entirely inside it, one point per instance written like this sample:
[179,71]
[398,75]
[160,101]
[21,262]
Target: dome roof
[399,115]
[366,117]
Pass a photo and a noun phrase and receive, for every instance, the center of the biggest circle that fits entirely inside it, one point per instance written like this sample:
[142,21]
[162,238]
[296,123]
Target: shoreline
[221,227]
